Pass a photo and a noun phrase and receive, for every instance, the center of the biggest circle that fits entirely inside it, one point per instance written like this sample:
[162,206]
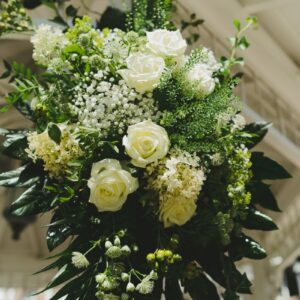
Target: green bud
[108,244]
[151,257]
[117,241]
[124,277]
[126,250]
[114,252]
[160,255]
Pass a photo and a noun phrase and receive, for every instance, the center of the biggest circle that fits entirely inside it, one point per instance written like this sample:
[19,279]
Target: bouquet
[140,153]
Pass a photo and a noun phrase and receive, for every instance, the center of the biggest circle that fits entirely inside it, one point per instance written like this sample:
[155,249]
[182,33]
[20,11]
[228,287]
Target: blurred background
[270,91]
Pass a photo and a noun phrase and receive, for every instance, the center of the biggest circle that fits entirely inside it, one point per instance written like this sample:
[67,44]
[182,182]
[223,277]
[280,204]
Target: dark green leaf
[31,202]
[243,43]
[65,273]
[235,281]
[266,168]
[258,220]
[201,288]
[244,246]
[262,195]
[12,178]
[69,288]
[54,133]
[56,235]
[173,291]
[71,11]
[15,145]
[258,131]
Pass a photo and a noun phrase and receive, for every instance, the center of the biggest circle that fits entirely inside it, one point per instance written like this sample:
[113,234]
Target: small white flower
[79,260]
[146,286]
[110,185]
[100,278]
[166,43]
[143,71]
[124,277]
[48,42]
[114,252]
[200,76]
[239,122]
[130,287]
[145,143]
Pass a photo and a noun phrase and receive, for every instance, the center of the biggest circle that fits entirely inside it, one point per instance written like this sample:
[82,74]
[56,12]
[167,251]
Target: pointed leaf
[54,133]
[266,168]
[258,131]
[201,288]
[259,221]
[244,246]
[31,202]
[262,195]
[173,291]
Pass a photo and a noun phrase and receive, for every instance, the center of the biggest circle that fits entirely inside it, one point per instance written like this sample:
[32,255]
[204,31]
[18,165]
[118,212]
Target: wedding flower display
[139,150]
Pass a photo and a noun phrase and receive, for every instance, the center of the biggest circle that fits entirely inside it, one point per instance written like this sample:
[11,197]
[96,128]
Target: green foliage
[149,15]
[181,118]
[266,168]
[13,17]
[201,288]
[258,221]
[238,42]
[54,133]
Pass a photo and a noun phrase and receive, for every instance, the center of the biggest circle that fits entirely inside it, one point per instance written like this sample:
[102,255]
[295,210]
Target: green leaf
[69,288]
[215,264]
[12,178]
[173,291]
[15,145]
[266,168]
[244,246]
[71,11]
[235,281]
[54,133]
[237,24]
[31,202]
[243,43]
[258,131]
[201,288]
[259,221]
[74,49]
[262,195]
[56,235]
[64,274]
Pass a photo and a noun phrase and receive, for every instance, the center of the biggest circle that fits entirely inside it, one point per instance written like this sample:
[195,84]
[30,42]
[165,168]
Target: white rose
[178,212]
[166,43]
[143,71]
[145,143]
[200,76]
[110,185]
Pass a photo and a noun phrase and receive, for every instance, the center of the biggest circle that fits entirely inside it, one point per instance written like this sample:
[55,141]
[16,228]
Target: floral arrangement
[141,154]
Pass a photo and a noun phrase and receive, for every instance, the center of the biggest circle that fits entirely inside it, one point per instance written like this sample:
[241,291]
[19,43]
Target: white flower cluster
[79,260]
[48,42]
[178,180]
[117,44]
[111,106]
[55,156]
[200,76]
